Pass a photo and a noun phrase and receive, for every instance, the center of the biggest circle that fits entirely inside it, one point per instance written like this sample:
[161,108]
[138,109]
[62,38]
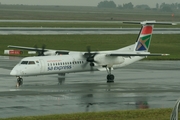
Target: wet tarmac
[144,84]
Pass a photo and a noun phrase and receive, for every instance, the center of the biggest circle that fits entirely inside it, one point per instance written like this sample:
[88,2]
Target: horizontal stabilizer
[153,54]
[151,23]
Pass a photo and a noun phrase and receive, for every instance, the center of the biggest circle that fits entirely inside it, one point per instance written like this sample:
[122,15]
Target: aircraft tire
[19,81]
[110,78]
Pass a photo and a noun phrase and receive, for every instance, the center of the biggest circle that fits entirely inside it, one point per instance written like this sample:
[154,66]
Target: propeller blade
[89,58]
[41,51]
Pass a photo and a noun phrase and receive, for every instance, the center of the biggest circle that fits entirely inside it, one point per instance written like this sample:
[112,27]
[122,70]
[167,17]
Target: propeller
[90,58]
[41,51]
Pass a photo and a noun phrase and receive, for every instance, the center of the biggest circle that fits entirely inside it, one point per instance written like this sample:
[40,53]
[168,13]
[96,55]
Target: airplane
[50,62]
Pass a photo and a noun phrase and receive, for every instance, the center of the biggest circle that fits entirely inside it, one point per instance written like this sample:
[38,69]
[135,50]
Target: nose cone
[13,72]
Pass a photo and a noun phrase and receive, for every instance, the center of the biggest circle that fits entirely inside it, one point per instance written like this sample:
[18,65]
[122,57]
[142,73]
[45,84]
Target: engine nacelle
[103,59]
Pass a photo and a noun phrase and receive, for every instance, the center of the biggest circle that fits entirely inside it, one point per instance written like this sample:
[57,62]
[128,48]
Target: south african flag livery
[144,38]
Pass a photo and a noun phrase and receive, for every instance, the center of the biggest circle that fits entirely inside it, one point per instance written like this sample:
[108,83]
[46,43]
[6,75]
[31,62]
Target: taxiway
[149,84]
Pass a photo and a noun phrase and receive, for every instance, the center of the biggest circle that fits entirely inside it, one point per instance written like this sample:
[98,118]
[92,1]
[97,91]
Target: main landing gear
[110,77]
[19,81]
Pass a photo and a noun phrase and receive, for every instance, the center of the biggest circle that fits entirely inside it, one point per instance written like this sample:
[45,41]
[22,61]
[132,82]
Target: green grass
[143,114]
[160,43]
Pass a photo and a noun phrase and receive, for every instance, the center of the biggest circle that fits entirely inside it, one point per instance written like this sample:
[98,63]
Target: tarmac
[141,85]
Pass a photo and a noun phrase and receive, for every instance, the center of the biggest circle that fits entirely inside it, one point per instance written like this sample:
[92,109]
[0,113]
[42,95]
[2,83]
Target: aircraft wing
[39,49]
[26,48]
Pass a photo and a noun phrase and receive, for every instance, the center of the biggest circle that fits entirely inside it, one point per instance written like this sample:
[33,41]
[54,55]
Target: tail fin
[145,34]
[144,38]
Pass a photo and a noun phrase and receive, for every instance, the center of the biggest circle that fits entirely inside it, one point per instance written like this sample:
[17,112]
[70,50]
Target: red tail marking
[147,30]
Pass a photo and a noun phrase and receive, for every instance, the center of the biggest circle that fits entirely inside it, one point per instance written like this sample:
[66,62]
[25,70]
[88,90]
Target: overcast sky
[151,3]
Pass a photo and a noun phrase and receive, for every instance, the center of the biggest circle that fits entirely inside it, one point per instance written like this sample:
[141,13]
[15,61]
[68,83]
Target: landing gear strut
[61,78]
[110,77]
[19,81]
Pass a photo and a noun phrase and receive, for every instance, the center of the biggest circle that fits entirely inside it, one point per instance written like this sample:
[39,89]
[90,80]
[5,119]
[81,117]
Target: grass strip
[141,114]
[160,43]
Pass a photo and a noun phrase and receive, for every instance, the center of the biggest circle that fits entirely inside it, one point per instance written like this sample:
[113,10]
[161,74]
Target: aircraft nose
[13,72]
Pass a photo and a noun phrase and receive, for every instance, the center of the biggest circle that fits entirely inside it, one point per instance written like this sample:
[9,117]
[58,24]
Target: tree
[106,4]
[128,6]
[179,6]
[166,9]
[157,6]
[120,6]
[145,7]
[162,5]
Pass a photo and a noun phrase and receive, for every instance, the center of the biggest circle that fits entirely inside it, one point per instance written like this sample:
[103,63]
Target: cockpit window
[24,62]
[31,62]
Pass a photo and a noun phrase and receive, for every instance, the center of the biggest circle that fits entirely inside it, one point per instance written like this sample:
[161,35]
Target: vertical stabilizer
[145,34]
[144,38]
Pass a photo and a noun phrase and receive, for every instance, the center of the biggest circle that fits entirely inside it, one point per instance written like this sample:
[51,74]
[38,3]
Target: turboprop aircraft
[74,61]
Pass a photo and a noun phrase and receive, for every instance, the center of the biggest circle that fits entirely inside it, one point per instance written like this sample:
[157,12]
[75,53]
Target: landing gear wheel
[110,78]
[19,81]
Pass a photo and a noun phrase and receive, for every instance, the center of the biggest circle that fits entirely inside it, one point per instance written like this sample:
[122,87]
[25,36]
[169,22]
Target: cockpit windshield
[28,62]
[24,62]
[31,62]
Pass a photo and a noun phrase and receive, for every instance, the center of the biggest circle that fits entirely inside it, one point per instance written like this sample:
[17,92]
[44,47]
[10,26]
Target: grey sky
[151,3]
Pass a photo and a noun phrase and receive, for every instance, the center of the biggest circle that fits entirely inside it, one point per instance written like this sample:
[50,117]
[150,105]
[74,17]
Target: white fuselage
[41,65]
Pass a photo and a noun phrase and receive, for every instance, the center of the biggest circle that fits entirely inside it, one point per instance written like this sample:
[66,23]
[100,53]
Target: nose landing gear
[110,77]
[19,81]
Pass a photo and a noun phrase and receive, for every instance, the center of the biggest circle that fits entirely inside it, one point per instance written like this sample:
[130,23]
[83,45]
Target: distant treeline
[163,7]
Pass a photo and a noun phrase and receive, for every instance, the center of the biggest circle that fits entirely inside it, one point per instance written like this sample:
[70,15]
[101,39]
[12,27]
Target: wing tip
[9,46]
